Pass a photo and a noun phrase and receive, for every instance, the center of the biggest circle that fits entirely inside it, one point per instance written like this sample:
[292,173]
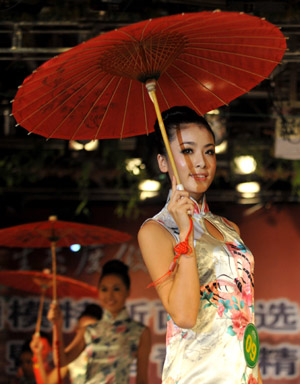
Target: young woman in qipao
[202,270]
[111,344]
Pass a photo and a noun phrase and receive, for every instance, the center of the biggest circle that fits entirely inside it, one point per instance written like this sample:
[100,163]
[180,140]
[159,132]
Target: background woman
[115,341]
[75,372]
[207,288]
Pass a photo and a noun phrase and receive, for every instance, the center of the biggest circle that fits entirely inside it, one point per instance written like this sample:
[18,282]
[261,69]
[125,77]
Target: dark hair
[92,310]
[116,267]
[173,118]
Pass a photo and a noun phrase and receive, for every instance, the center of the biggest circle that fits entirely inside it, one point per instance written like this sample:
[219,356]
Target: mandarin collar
[108,317]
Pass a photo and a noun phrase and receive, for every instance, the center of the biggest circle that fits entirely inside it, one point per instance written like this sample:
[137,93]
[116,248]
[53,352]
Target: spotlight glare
[75,247]
[248,189]
[149,185]
[245,164]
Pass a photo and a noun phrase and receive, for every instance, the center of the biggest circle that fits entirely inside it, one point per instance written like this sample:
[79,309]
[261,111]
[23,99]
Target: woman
[115,341]
[207,288]
[76,370]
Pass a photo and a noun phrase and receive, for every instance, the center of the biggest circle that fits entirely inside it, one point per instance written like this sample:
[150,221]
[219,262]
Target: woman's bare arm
[180,294]
[73,350]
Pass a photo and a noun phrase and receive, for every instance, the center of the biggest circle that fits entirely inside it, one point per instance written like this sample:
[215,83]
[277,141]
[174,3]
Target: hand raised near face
[54,314]
[180,207]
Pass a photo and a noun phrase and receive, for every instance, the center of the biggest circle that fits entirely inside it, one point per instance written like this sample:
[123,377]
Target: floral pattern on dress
[112,345]
[226,274]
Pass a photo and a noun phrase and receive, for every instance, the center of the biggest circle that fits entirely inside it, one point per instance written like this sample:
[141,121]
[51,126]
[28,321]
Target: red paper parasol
[41,283]
[36,282]
[55,233]
[96,90]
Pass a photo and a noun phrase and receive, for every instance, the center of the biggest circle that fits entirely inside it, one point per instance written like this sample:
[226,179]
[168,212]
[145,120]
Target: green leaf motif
[231,331]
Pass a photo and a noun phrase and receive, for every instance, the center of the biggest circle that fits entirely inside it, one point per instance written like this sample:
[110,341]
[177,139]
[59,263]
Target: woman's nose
[200,163]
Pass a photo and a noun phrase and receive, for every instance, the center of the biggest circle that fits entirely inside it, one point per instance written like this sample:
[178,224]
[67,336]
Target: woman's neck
[198,198]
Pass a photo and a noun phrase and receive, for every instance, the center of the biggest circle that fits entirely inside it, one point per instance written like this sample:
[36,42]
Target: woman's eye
[187,151]
[210,152]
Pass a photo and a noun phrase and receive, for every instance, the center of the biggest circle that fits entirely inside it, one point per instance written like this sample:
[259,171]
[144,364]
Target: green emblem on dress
[251,345]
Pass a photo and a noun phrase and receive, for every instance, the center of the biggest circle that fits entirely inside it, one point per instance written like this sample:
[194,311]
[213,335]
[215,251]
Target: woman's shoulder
[230,224]
[154,230]
[160,224]
[151,225]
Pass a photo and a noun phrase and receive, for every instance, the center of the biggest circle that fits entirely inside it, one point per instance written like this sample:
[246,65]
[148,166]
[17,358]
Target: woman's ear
[162,163]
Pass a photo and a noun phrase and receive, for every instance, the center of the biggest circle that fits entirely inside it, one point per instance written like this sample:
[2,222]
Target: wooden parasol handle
[57,346]
[53,254]
[40,312]
[151,88]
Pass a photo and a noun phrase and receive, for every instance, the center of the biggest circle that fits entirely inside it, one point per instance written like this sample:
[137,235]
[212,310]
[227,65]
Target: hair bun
[115,266]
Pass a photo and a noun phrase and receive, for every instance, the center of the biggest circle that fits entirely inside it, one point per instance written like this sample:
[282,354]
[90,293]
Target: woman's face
[193,150]
[113,294]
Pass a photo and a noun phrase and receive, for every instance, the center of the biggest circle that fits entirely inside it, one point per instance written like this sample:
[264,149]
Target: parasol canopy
[62,233]
[55,233]
[41,282]
[96,90]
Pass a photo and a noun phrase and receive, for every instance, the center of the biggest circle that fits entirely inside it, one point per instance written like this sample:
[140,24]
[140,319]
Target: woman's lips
[199,176]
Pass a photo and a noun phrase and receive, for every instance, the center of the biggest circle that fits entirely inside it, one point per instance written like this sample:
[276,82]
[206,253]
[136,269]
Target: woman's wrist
[183,236]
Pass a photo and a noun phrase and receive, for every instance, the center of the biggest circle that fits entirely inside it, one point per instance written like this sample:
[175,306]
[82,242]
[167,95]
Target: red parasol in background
[96,90]
[35,282]
[55,233]
[41,283]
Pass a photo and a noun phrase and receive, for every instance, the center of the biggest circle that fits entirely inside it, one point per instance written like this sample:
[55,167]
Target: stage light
[90,145]
[249,189]
[75,247]
[134,165]
[245,164]
[149,188]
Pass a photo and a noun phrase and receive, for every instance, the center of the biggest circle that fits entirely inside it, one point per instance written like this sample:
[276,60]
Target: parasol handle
[53,254]
[151,88]
[57,346]
[40,312]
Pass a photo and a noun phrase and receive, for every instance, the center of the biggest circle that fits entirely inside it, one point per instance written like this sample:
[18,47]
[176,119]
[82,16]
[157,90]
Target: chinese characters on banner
[278,318]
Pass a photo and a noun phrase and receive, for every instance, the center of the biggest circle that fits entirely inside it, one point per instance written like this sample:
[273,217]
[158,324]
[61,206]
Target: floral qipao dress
[111,346]
[212,351]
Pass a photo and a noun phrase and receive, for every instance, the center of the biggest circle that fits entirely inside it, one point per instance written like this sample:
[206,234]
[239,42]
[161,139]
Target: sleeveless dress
[77,369]
[212,351]
[111,347]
